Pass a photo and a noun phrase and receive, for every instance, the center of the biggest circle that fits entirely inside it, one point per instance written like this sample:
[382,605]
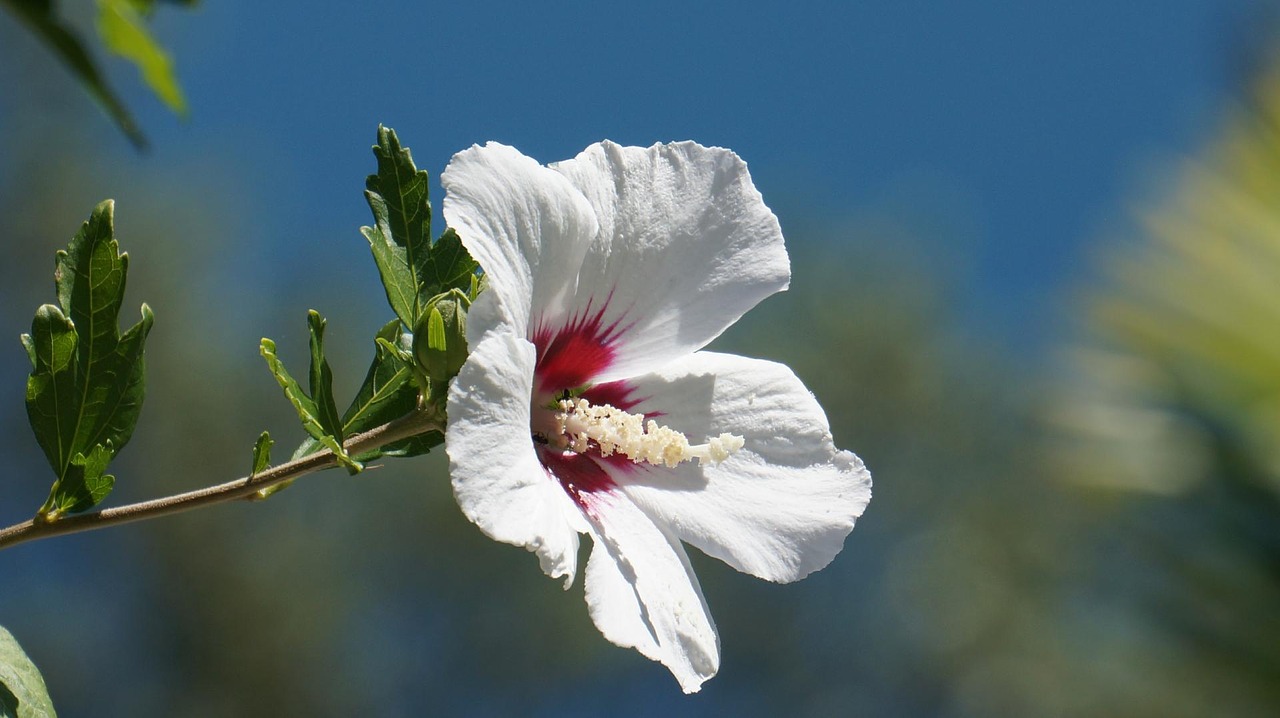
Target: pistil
[581,425]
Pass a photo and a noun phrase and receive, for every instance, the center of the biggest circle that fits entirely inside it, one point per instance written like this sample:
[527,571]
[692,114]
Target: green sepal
[23,693]
[261,453]
[87,382]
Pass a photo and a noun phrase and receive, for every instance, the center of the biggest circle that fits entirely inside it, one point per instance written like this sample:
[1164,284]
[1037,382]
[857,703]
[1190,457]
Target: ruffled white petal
[686,245]
[497,478]
[527,227]
[642,592]
[779,508]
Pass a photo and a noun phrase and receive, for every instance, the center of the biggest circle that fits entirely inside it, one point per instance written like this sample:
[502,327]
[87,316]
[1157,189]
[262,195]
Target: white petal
[497,478]
[781,507]
[527,227]
[686,246]
[643,594]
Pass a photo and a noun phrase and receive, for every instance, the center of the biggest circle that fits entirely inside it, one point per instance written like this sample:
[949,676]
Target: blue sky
[1005,135]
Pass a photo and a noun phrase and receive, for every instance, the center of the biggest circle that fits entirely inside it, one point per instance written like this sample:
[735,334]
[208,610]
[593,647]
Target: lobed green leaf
[401,237]
[87,382]
[413,268]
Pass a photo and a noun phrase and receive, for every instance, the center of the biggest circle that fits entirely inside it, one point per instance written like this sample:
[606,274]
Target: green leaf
[321,379]
[414,445]
[345,460]
[86,483]
[302,403]
[388,391]
[413,269]
[320,423]
[393,267]
[52,384]
[39,16]
[123,30]
[261,453]
[451,266]
[401,236]
[22,690]
[87,382]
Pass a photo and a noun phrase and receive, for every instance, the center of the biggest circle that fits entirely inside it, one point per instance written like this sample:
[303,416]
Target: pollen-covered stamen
[580,425]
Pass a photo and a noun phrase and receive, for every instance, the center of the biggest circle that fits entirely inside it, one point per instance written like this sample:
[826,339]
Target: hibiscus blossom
[587,406]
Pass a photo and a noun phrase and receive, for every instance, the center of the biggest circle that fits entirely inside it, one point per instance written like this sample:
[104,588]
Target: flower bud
[440,339]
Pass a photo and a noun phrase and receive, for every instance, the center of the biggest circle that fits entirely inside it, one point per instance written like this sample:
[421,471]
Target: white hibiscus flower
[607,275]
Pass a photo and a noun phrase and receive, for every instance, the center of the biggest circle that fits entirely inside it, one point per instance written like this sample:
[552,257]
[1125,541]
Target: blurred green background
[1036,286]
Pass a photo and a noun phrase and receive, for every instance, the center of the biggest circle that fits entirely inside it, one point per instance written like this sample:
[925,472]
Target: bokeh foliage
[1174,406]
[122,29]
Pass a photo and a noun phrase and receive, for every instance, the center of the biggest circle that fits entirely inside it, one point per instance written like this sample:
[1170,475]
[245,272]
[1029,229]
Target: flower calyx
[440,339]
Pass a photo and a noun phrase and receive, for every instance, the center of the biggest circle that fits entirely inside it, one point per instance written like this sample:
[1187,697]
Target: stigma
[581,426]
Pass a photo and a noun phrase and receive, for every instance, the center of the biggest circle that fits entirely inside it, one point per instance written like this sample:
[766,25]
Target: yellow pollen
[581,424]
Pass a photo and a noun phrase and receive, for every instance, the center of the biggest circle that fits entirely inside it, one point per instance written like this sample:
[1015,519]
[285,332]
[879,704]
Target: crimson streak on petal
[578,474]
[615,393]
[574,353]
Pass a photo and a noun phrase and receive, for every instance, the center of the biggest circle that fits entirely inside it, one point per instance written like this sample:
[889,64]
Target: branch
[419,422]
